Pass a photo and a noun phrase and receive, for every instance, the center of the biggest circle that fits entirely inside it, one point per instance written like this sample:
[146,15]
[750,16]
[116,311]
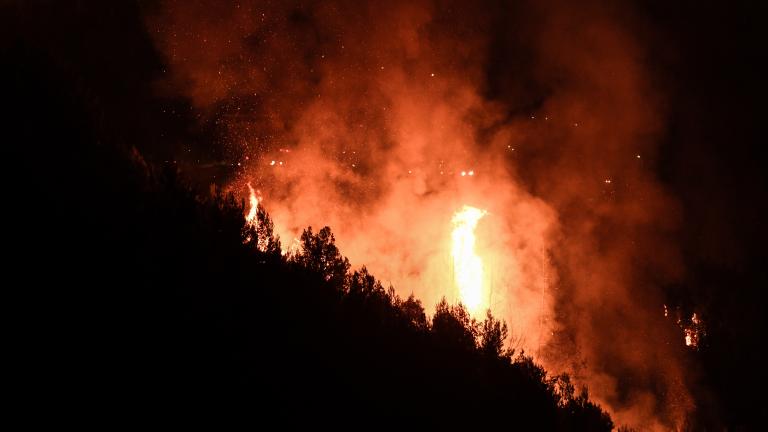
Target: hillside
[147,303]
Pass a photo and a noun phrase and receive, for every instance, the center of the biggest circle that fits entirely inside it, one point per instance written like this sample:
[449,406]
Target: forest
[158,301]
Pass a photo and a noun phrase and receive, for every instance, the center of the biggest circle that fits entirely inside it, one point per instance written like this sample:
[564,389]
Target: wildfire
[250,218]
[694,330]
[467,265]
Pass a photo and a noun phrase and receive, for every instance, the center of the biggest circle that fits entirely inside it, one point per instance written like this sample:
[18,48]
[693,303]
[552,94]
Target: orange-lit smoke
[382,121]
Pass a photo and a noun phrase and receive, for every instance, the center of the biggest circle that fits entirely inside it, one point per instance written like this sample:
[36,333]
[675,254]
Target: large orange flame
[467,265]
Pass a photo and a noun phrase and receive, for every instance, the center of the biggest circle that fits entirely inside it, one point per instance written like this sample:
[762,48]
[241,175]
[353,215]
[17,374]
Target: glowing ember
[467,265]
[690,337]
[694,332]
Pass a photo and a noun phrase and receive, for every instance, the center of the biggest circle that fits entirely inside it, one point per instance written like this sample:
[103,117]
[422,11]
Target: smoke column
[383,120]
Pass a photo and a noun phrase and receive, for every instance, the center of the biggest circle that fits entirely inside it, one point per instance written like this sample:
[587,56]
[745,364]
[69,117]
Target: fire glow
[467,265]
[385,157]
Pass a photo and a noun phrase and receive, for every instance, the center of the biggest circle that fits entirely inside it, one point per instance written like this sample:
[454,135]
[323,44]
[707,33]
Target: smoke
[381,121]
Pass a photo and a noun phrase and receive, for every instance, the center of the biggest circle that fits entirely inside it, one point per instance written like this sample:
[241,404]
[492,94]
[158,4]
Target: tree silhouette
[190,309]
[413,312]
[260,236]
[493,334]
[320,254]
[453,326]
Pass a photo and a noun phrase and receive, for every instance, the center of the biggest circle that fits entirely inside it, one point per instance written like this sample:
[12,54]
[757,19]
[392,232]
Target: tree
[413,312]
[493,334]
[363,284]
[453,326]
[320,254]
[260,235]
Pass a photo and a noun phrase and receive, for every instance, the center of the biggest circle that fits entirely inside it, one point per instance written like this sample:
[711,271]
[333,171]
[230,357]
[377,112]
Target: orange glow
[384,155]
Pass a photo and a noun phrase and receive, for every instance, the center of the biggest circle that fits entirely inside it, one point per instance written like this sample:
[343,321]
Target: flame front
[467,265]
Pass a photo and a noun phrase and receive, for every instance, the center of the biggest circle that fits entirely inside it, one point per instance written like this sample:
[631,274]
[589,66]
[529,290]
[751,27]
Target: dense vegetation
[147,303]
[206,318]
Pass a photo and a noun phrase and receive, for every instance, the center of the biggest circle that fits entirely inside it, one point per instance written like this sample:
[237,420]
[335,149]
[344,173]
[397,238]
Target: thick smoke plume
[382,120]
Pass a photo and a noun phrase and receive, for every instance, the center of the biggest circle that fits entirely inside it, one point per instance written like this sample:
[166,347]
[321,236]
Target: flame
[250,218]
[694,332]
[430,109]
[467,265]
[689,337]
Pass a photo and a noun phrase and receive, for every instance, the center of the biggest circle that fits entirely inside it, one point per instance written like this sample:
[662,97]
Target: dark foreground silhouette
[146,305]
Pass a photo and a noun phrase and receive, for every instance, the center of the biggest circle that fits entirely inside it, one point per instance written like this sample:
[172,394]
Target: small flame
[694,332]
[690,338]
[467,265]
[250,218]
